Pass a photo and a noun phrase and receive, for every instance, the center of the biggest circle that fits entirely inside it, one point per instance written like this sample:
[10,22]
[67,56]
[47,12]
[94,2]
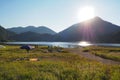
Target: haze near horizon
[56,14]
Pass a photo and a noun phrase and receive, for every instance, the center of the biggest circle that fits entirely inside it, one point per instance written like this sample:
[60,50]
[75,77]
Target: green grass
[52,66]
[112,53]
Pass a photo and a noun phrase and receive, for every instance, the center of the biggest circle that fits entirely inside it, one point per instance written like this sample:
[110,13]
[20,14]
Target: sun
[86,13]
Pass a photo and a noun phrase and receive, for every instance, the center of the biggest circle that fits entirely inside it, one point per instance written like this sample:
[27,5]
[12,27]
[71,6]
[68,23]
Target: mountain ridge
[93,30]
[39,29]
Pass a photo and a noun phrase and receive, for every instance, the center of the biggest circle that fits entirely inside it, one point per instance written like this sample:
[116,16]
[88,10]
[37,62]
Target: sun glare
[83,43]
[86,13]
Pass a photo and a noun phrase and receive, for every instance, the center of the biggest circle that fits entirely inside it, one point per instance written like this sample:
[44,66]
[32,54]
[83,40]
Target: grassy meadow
[15,64]
[112,53]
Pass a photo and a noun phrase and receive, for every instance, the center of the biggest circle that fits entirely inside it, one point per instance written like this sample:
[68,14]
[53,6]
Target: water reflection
[84,43]
[60,44]
[63,44]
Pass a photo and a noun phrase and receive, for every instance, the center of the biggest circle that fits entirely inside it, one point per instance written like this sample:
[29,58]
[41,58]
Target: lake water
[63,44]
[60,44]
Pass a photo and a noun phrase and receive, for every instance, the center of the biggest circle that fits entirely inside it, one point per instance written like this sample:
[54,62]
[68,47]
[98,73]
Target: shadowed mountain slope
[32,36]
[5,34]
[93,30]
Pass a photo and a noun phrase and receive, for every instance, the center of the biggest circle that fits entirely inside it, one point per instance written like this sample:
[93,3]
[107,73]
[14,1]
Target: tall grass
[112,53]
[52,66]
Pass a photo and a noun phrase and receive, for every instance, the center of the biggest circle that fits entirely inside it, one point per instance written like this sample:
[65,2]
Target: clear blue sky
[55,14]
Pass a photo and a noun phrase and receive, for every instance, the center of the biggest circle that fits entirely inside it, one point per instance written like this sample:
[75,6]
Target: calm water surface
[63,44]
[60,44]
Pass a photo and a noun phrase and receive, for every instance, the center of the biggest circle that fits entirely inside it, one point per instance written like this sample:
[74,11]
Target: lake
[60,44]
[64,44]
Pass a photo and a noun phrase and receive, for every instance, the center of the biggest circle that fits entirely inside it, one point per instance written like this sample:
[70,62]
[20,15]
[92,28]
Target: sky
[55,14]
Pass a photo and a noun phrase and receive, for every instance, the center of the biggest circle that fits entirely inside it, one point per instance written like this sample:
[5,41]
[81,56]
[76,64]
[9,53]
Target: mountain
[40,29]
[116,37]
[5,34]
[93,30]
[32,36]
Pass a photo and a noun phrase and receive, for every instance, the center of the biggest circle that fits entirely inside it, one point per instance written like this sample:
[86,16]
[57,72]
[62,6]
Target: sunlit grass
[15,65]
[112,53]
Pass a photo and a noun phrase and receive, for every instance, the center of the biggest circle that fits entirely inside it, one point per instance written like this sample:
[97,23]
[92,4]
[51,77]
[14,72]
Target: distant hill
[32,36]
[40,29]
[5,34]
[93,30]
